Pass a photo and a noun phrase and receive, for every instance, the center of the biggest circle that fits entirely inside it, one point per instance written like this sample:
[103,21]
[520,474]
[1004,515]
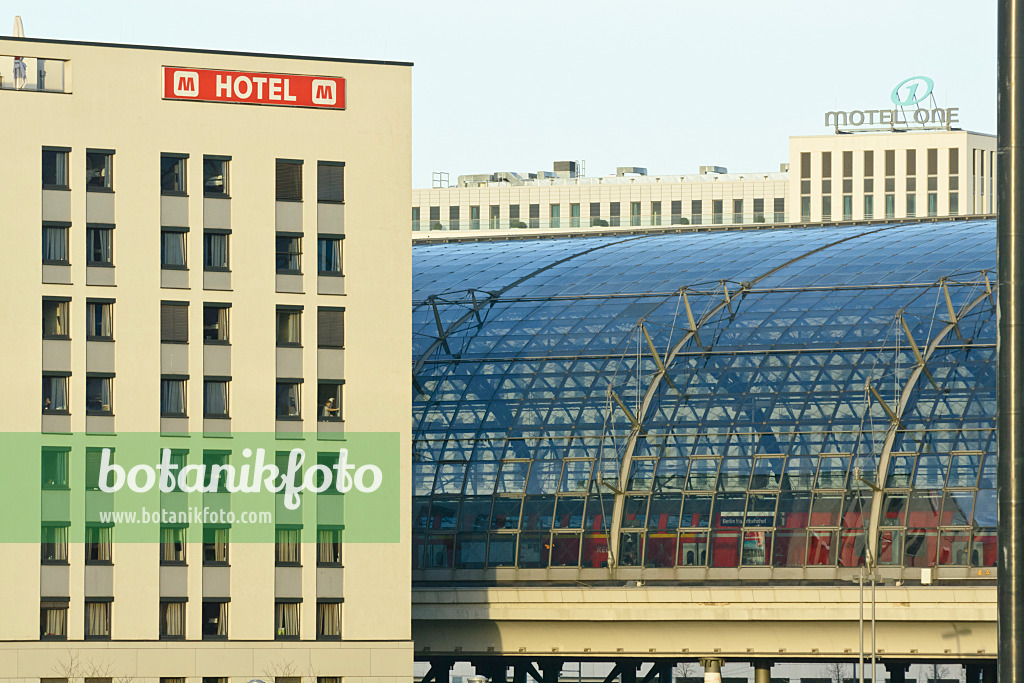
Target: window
[759,210]
[911,162]
[954,203]
[847,207]
[911,205]
[172,619]
[215,176]
[677,212]
[289,253]
[613,213]
[933,204]
[215,323]
[287,545]
[55,168]
[330,181]
[655,213]
[172,248]
[172,396]
[574,215]
[595,212]
[453,218]
[172,544]
[55,319]
[215,250]
[288,394]
[869,206]
[330,327]
[555,215]
[474,218]
[495,217]
[99,389]
[99,243]
[53,619]
[55,468]
[328,398]
[780,209]
[289,326]
[174,322]
[172,174]
[890,206]
[716,211]
[215,619]
[215,397]
[289,180]
[696,211]
[97,544]
[97,619]
[215,545]
[55,394]
[99,320]
[737,211]
[99,170]
[55,244]
[415,218]
[328,254]
[826,208]
[634,213]
[328,620]
[286,619]
[54,544]
[328,547]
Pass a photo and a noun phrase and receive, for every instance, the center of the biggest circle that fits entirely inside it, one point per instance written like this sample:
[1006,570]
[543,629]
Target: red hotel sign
[286,90]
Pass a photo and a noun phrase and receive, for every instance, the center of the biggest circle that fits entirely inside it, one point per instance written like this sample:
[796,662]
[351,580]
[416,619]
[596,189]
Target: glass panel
[767,473]
[513,476]
[955,548]
[894,509]
[799,474]
[569,513]
[671,474]
[703,474]
[576,475]
[920,548]
[832,472]
[696,511]
[634,512]
[534,550]
[725,550]
[693,549]
[565,550]
[641,475]
[505,514]
[757,548]
[661,549]
[664,511]
[538,512]
[760,510]
[735,474]
[794,509]
[821,547]
[957,507]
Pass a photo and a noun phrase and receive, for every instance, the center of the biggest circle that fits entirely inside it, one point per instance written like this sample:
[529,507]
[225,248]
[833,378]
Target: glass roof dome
[777,404]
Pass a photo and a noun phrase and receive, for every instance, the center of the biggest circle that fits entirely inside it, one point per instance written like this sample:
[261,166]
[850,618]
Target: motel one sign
[909,112]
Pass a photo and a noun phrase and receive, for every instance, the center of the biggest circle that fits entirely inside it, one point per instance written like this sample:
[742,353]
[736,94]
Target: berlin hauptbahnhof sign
[912,92]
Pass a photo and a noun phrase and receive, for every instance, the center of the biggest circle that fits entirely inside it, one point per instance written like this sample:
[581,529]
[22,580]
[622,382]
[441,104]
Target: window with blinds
[174,322]
[289,180]
[330,327]
[330,181]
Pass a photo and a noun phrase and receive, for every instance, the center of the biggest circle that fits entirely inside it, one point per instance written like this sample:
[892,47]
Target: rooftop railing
[33,73]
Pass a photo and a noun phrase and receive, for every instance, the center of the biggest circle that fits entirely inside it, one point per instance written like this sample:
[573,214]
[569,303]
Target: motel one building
[895,163]
[216,245]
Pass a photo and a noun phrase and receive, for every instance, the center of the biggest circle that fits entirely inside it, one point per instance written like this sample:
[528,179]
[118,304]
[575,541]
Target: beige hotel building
[215,243]
[828,178]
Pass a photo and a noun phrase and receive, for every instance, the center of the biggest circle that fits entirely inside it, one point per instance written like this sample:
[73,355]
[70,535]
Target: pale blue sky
[666,84]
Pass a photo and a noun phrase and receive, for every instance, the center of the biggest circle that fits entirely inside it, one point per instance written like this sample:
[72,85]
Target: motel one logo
[915,106]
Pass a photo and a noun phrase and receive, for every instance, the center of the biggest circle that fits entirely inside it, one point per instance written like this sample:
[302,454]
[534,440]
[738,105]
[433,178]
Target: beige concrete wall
[116,103]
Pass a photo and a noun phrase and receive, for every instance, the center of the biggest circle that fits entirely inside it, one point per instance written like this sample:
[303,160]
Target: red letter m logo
[186,83]
[324,91]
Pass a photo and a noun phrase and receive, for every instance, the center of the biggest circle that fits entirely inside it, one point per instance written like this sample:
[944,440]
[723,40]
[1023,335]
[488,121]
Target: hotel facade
[828,178]
[216,245]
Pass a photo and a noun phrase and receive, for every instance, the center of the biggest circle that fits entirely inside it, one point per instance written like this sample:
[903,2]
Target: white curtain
[55,393]
[289,327]
[216,250]
[100,323]
[99,539]
[55,543]
[173,248]
[174,619]
[55,244]
[219,543]
[329,256]
[97,619]
[216,398]
[288,545]
[288,400]
[55,619]
[288,618]
[99,247]
[222,620]
[172,544]
[329,546]
[328,619]
[172,397]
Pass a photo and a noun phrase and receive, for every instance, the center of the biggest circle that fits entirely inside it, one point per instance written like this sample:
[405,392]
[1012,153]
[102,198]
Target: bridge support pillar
[665,671]
[989,671]
[897,671]
[494,670]
[762,671]
[629,672]
[712,670]
[973,672]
